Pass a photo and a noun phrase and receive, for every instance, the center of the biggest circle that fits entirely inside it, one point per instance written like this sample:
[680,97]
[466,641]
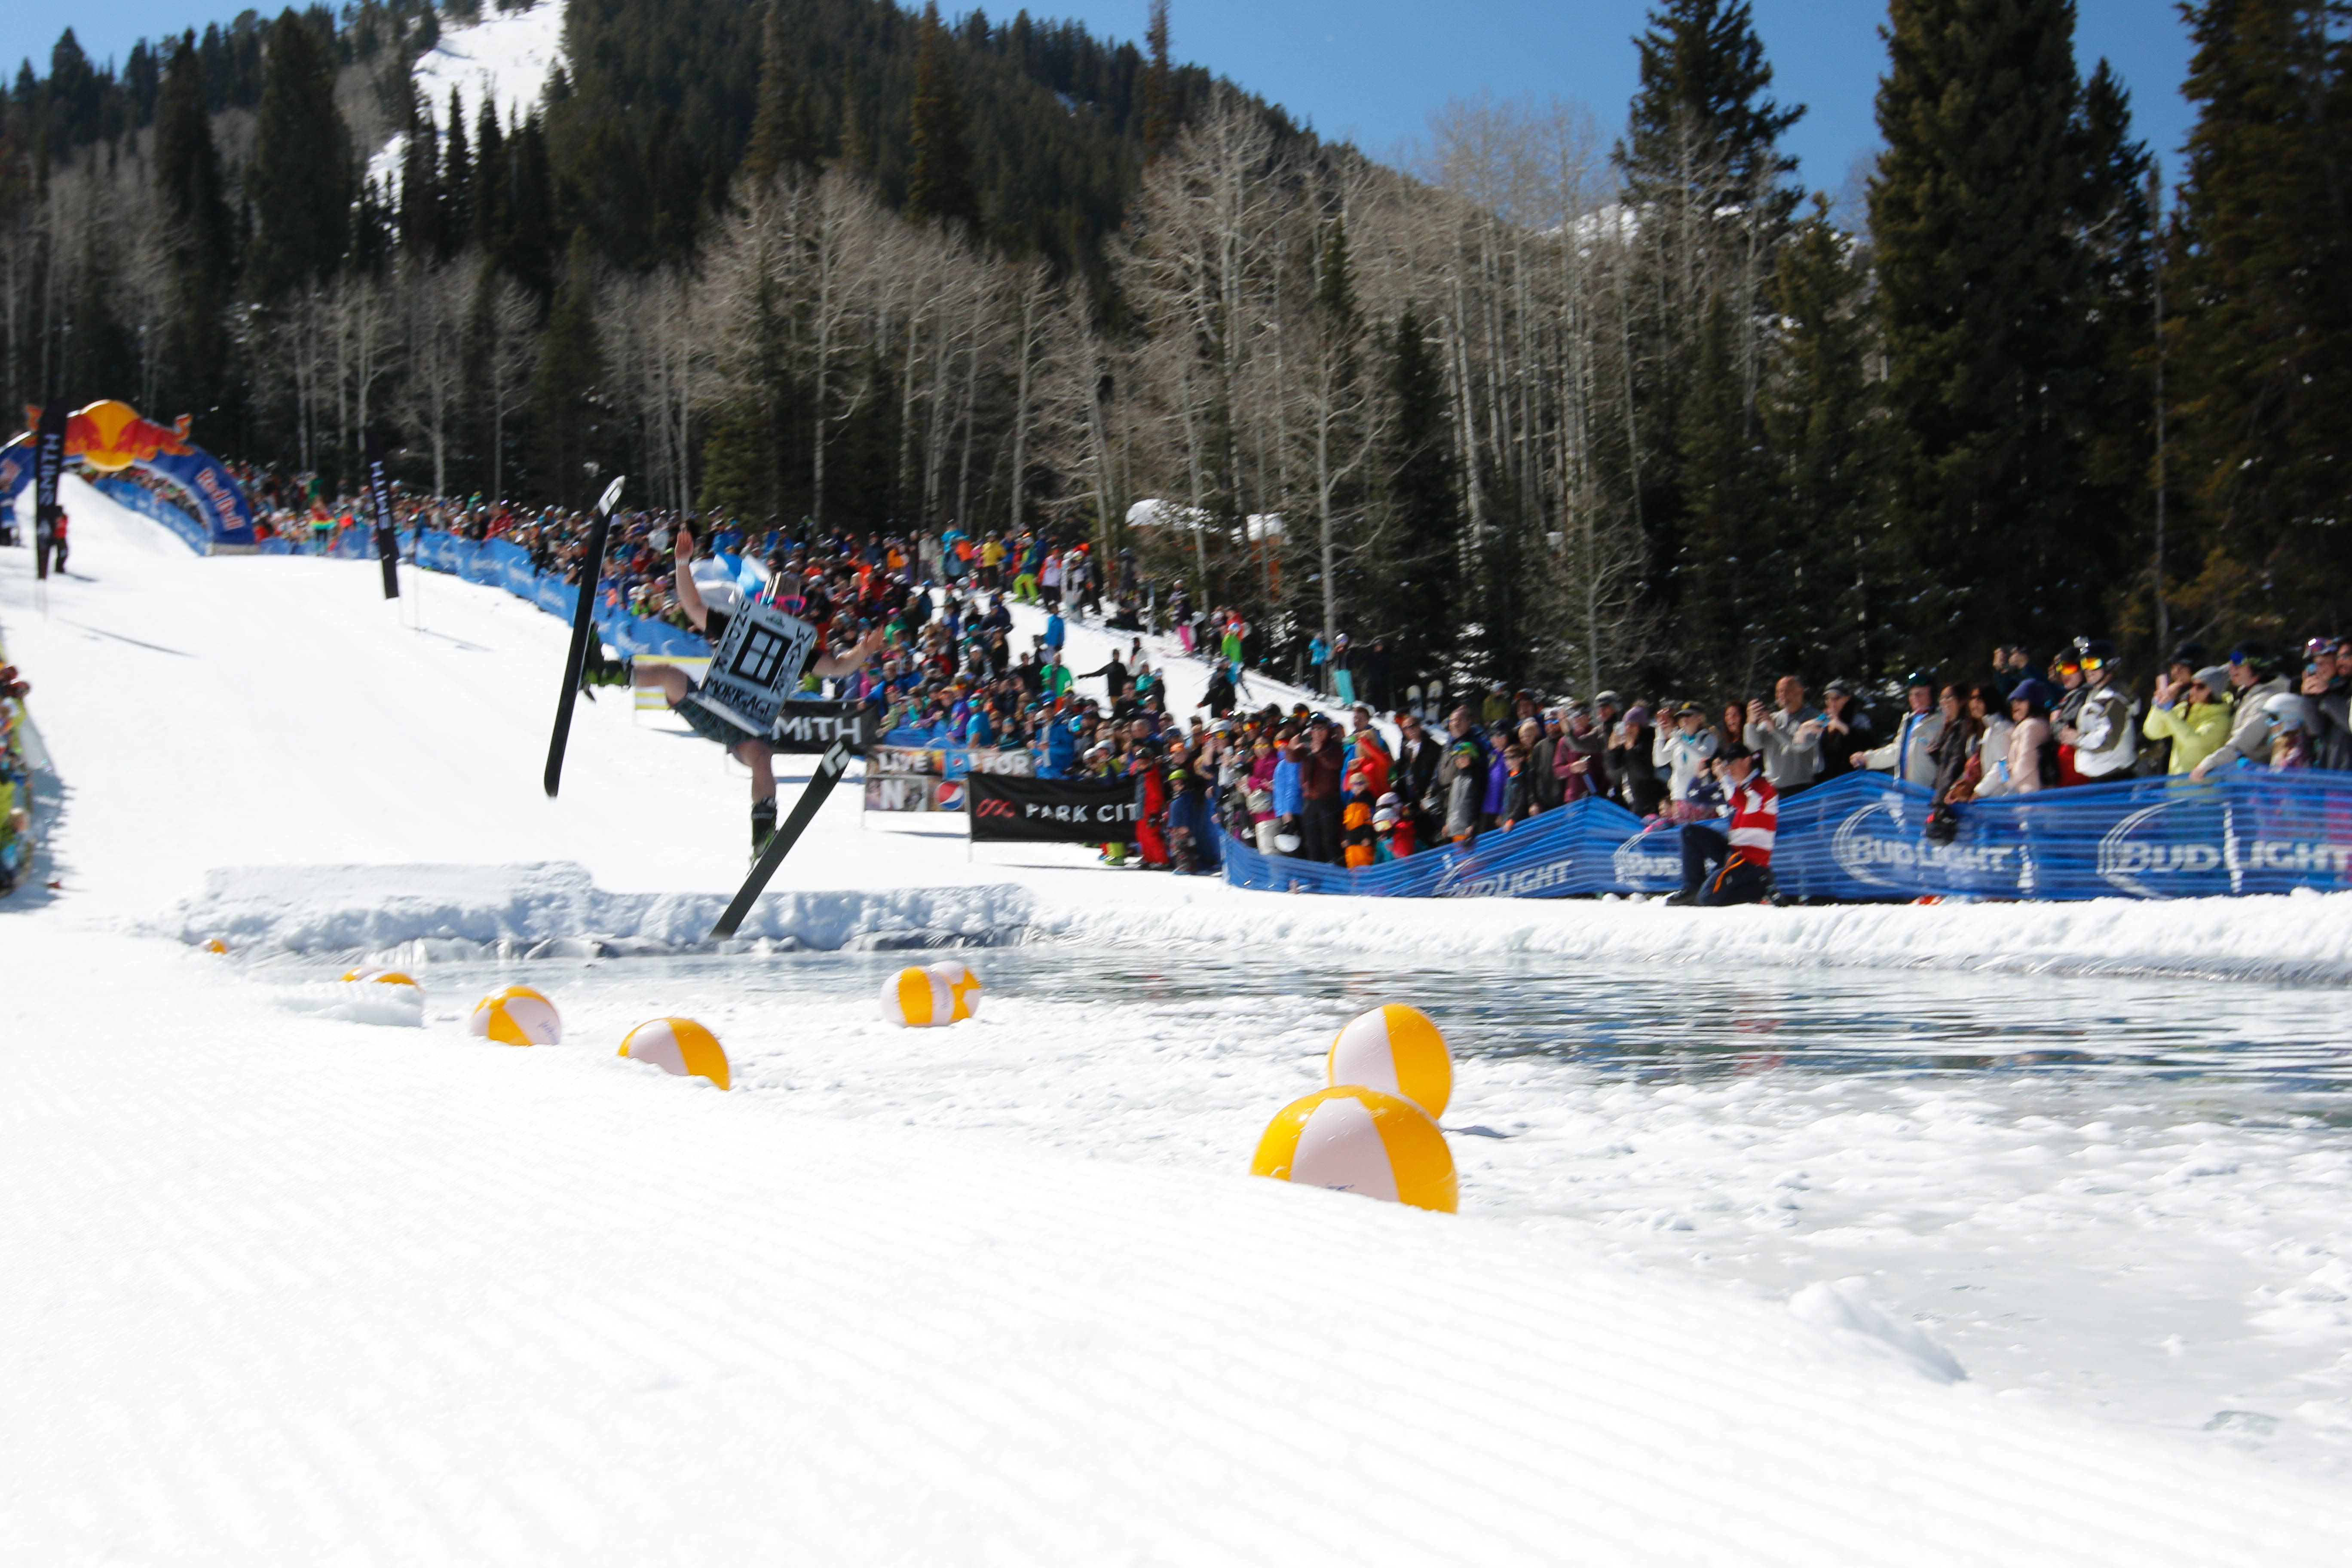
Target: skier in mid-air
[757,654]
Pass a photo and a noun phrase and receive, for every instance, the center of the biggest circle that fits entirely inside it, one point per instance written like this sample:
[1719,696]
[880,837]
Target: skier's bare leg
[670,680]
[760,757]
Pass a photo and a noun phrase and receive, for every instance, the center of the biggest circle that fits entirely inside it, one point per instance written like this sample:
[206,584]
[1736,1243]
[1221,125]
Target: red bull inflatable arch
[109,437]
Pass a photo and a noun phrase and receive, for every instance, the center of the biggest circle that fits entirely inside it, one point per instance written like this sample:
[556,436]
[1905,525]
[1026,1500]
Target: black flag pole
[583,620]
[48,470]
[387,539]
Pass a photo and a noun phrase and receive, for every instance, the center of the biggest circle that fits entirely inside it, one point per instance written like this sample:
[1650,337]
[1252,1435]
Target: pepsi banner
[1863,839]
[1052,811]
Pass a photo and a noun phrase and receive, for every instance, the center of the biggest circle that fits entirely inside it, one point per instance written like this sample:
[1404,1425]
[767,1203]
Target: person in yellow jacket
[2192,714]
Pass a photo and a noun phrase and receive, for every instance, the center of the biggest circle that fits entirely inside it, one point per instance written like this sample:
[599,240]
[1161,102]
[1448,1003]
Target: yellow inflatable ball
[215,945]
[517,1016]
[963,988]
[1356,1140]
[678,1046]
[919,999]
[382,977]
[1397,1050]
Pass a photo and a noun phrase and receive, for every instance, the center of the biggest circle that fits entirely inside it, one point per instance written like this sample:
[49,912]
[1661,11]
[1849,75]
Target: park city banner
[813,726]
[1059,811]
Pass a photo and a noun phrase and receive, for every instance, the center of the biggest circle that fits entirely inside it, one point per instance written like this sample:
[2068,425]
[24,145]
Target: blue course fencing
[146,503]
[1864,837]
[497,563]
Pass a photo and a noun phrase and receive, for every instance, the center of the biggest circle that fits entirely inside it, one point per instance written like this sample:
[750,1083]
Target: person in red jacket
[1733,866]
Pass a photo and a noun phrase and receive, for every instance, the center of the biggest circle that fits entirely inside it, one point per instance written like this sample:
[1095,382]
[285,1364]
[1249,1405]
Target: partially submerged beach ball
[919,999]
[382,977]
[1397,1050]
[215,945]
[678,1046]
[1358,1139]
[963,987]
[517,1016]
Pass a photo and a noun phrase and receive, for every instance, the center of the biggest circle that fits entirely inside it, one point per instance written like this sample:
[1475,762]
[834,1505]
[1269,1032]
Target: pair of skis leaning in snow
[758,652]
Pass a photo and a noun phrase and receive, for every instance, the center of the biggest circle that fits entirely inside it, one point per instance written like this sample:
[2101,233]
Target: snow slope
[292,1288]
[506,56]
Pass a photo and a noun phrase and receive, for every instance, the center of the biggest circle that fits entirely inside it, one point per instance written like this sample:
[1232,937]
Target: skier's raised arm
[689,597]
[836,664]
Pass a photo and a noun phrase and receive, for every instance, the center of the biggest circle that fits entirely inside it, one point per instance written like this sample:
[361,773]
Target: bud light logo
[1644,864]
[1876,847]
[2169,850]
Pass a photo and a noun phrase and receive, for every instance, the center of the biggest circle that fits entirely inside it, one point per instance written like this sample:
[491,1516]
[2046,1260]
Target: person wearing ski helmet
[2102,731]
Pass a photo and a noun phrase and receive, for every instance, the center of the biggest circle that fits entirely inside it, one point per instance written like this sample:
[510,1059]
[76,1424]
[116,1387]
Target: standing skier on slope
[756,653]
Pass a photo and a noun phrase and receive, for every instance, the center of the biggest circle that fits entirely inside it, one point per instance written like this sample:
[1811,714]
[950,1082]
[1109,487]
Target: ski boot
[597,670]
[764,825]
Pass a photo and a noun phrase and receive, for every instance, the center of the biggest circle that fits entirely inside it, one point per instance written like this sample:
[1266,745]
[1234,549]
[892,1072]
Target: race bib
[757,665]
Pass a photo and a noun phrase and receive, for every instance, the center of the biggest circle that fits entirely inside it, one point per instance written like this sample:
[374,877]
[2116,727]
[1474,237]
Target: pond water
[2126,1195]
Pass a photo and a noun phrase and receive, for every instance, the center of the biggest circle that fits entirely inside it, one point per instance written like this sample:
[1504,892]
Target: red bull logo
[109,437]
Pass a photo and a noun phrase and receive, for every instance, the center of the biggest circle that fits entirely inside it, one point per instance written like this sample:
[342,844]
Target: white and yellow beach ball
[963,988]
[1356,1140]
[517,1016]
[919,999]
[1397,1050]
[678,1046]
[381,978]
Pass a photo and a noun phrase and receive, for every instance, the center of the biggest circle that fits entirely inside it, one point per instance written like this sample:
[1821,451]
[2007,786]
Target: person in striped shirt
[1733,866]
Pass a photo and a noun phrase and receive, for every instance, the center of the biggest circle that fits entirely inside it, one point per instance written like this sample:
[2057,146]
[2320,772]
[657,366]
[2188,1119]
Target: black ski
[829,769]
[584,625]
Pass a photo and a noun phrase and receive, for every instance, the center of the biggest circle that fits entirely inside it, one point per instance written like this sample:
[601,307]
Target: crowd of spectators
[1383,775]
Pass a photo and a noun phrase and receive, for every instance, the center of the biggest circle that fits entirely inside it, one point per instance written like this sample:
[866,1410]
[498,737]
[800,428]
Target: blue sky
[1374,68]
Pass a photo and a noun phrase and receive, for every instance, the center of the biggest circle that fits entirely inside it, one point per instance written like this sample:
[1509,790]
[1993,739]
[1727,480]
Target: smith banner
[1058,811]
[812,726]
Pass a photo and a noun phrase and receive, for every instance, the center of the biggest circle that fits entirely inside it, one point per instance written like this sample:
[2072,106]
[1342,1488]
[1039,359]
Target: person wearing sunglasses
[2254,679]
[2101,731]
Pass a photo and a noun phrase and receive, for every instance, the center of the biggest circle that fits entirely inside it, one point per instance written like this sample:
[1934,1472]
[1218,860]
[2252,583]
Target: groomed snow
[293,1287]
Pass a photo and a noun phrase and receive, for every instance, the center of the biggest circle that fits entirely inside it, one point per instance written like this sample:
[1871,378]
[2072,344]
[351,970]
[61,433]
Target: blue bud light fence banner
[1862,838]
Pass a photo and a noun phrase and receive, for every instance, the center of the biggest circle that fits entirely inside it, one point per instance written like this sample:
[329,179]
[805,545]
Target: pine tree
[1731,583]
[421,233]
[1414,597]
[196,371]
[565,398]
[938,181]
[1985,292]
[1703,168]
[1822,427]
[2262,341]
[780,136]
[487,204]
[300,179]
[2116,225]
[1701,127]
[1161,112]
[456,180]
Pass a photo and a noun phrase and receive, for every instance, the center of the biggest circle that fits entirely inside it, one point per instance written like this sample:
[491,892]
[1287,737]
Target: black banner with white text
[812,725]
[1059,811]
